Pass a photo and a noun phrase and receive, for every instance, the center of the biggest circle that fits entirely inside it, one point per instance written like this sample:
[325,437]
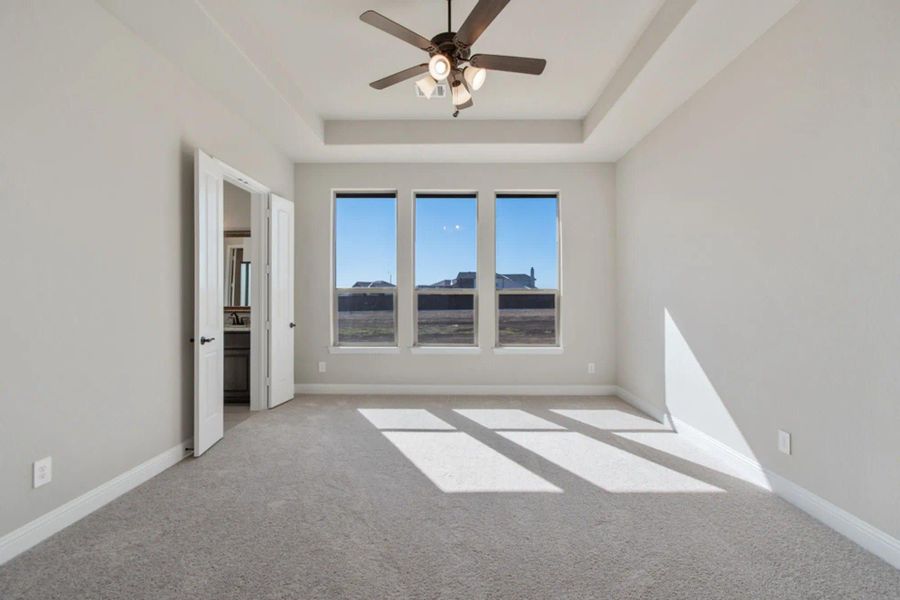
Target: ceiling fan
[449,54]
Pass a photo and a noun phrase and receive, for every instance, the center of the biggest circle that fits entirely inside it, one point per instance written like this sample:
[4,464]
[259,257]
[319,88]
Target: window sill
[529,350]
[445,350]
[363,350]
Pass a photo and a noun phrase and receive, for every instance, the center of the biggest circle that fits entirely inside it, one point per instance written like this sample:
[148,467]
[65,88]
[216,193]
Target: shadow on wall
[688,390]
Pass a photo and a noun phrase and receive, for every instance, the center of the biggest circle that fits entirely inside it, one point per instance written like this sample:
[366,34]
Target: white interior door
[209,303]
[281,301]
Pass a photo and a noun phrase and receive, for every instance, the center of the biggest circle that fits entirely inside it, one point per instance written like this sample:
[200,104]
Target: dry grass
[366,327]
[518,327]
[527,326]
[446,327]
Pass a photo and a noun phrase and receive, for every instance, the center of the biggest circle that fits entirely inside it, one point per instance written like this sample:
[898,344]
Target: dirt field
[518,326]
[446,327]
[366,327]
[524,326]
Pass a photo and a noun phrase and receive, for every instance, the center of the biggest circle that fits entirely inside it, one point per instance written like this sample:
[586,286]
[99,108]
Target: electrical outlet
[784,442]
[43,471]
[592,368]
[322,366]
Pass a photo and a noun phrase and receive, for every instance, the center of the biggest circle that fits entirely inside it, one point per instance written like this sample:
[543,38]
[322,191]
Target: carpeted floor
[313,500]
[235,414]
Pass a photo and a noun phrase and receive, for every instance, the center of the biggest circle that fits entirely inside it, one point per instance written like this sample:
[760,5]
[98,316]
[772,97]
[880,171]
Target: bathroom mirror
[238,262]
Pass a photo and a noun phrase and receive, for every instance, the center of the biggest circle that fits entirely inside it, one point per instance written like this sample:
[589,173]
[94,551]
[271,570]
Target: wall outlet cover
[322,366]
[43,471]
[784,442]
[592,368]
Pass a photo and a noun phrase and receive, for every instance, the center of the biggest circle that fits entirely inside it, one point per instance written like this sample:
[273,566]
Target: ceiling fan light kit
[460,95]
[474,77]
[450,55]
[439,67]
[427,85]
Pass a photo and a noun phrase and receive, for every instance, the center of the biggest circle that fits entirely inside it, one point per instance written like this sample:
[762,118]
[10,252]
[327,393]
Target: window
[446,250]
[527,278]
[365,261]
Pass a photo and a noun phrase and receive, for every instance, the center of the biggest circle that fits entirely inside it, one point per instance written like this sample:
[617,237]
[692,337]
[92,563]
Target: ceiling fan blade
[395,29]
[513,64]
[465,105]
[478,20]
[400,76]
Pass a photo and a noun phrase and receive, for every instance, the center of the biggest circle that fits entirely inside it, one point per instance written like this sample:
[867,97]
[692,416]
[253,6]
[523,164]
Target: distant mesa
[373,284]
[466,280]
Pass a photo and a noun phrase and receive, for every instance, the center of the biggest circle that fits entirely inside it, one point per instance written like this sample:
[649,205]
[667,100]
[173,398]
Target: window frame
[555,292]
[416,291]
[336,291]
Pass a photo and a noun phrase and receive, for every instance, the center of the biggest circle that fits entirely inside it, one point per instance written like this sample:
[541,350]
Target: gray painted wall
[763,216]
[96,207]
[237,207]
[587,221]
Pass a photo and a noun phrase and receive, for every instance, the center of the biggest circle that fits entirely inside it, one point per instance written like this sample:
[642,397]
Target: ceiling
[298,70]
[334,55]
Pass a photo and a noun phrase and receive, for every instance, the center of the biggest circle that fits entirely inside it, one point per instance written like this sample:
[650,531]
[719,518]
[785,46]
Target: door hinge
[268,325]
[268,269]
[268,382]
[268,212]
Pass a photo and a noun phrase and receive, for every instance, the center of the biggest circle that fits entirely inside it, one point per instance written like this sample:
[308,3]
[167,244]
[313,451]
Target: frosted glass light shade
[439,67]
[475,77]
[460,95]
[427,85]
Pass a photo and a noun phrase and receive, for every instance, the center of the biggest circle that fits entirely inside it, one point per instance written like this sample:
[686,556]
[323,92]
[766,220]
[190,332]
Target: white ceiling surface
[298,70]
[334,55]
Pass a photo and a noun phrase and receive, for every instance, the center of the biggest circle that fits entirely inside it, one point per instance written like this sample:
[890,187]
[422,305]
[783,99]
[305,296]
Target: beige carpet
[317,499]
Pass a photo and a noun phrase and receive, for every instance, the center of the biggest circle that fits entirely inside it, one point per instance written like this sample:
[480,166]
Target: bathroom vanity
[237,365]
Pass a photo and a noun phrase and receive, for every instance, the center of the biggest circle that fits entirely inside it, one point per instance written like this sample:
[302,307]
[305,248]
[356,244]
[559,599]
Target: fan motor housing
[446,46]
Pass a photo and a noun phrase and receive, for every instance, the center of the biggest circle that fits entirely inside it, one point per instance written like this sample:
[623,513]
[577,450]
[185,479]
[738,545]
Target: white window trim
[557,346]
[364,350]
[335,291]
[445,350]
[528,350]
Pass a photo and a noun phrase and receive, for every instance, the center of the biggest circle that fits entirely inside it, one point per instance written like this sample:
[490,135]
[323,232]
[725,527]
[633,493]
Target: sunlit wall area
[757,255]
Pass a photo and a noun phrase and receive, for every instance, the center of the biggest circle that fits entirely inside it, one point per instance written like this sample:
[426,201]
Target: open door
[281,299]
[209,303]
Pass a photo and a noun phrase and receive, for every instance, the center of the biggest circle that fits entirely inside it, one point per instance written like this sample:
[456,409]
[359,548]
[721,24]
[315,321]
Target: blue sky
[526,238]
[365,240]
[366,235]
[445,238]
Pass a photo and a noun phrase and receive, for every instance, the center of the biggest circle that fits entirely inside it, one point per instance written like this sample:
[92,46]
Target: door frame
[259,283]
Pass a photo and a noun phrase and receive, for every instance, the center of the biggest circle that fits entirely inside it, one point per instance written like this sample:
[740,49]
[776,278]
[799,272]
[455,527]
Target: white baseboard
[645,407]
[454,390]
[740,464]
[59,518]
[866,535]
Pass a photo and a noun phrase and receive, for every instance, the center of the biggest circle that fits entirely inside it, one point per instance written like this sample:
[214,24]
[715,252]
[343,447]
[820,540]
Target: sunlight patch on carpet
[606,466]
[506,418]
[611,418]
[404,418]
[457,462]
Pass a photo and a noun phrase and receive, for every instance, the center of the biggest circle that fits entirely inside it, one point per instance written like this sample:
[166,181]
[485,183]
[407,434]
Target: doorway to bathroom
[238,314]
[243,299]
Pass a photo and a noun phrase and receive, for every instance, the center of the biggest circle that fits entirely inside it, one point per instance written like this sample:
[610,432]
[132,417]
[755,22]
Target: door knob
[204,340]
[292,325]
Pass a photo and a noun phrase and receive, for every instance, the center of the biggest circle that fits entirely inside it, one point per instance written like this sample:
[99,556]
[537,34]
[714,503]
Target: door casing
[259,294]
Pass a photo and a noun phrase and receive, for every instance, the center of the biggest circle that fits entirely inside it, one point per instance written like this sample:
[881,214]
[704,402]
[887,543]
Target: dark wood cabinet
[237,367]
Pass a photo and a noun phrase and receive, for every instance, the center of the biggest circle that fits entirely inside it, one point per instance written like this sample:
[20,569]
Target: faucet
[236,319]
